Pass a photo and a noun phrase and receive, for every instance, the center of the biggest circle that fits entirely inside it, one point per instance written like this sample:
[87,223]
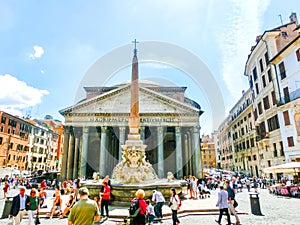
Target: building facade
[96,128]
[264,133]
[208,152]
[287,65]
[14,137]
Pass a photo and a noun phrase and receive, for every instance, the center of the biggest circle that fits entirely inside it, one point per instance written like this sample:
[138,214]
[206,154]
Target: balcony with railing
[288,98]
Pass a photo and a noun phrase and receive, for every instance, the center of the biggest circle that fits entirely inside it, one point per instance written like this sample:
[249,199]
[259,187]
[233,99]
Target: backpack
[134,208]
[179,203]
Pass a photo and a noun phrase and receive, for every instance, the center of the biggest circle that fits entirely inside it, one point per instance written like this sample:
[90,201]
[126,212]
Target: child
[149,212]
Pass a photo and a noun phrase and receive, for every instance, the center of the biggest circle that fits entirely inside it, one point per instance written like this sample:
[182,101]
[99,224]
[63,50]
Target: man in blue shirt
[223,205]
[231,196]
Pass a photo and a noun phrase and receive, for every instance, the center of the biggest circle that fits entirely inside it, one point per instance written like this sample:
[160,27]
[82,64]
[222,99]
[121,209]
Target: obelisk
[134,119]
[133,167]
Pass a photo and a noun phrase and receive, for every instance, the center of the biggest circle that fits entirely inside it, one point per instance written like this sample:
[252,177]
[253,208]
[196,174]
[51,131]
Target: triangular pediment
[117,101]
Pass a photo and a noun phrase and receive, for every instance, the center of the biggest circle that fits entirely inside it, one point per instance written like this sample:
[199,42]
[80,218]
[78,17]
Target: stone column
[102,162]
[142,134]
[77,133]
[84,152]
[65,153]
[122,140]
[70,156]
[178,153]
[186,155]
[190,154]
[198,161]
[160,155]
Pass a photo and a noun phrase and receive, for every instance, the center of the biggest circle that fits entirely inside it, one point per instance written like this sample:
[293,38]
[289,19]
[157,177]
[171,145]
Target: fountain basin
[122,194]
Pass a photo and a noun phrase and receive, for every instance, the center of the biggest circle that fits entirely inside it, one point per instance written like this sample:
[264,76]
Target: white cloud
[42,71]
[16,94]
[38,52]
[239,31]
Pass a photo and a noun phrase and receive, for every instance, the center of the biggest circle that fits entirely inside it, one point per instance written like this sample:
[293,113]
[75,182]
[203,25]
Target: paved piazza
[275,209]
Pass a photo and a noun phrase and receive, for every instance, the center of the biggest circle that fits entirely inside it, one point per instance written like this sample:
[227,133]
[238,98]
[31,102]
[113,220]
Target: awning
[292,167]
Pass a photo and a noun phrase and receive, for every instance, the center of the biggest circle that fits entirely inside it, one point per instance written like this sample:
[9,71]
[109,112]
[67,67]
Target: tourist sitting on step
[69,206]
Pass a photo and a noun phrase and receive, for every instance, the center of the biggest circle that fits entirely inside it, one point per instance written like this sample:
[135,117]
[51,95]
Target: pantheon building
[97,126]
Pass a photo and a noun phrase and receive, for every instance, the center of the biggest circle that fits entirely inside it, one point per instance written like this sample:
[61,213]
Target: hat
[83,191]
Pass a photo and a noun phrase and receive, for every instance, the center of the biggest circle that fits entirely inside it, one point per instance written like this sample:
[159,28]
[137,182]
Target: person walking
[5,189]
[140,218]
[248,183]
[105,195]
[175,204]
[32,206]
[231,199]
[222,203]
[159,199]
[85,211]
[18,208]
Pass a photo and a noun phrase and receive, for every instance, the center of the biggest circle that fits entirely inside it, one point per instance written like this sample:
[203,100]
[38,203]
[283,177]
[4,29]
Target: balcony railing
[291,97]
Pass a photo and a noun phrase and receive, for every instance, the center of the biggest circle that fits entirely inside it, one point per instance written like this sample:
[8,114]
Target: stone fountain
[133,171]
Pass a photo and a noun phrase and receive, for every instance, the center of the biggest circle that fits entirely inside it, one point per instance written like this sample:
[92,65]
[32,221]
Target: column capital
[78,132]
[178,129]
[85,129]
[103,129]
[196,129]
[160,129]
[122,129]
[67,129]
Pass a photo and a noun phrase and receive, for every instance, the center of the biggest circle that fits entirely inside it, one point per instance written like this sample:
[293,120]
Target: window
[266,103]
[284,34]
[264,80]
[298,54]
[255,114]
[273,123]
[269,75]
[282,70]
[267,58]
[259,108]
[281,149]
[254,72]
[286,118]
[286,95]
[252,142]
[261,65]
[257,89]
[1,139]
[274,101]
[290,141]
[3,119]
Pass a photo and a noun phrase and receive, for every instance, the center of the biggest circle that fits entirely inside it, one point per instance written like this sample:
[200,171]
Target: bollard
[7,207]
[254,202]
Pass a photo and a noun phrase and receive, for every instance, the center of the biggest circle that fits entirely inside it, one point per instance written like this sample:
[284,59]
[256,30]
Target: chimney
[293,18]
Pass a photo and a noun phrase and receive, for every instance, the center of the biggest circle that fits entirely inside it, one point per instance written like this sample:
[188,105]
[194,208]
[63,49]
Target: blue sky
[46,46]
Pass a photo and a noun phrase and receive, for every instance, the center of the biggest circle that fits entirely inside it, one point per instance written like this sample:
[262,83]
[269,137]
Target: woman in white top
[175,204]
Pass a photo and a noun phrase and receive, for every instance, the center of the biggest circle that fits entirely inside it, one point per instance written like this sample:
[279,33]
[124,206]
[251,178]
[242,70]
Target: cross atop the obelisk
[135,42]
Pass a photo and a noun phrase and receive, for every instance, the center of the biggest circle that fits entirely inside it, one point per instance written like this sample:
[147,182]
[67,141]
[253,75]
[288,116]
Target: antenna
[280,17]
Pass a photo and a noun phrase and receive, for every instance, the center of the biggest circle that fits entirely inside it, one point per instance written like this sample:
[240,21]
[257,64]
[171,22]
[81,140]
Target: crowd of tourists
[81,210]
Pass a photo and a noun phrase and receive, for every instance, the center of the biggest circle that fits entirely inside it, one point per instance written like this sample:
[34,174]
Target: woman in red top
[5,189]
[140,218]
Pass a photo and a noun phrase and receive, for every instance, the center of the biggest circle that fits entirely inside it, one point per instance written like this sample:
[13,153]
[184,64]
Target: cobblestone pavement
[275,209]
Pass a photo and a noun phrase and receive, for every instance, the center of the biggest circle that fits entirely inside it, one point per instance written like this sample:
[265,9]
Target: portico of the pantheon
[97,126]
